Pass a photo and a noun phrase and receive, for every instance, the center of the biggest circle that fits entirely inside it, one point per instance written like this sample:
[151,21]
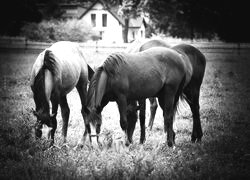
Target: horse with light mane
[56,71]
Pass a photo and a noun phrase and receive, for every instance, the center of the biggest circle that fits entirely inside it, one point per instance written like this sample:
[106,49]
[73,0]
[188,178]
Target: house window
[93,20]
[142,33]
[104,20]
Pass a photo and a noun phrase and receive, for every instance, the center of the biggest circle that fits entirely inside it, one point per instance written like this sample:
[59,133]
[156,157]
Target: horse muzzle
[38,133]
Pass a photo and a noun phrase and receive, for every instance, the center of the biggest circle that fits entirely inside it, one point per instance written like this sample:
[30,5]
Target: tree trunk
[125,30]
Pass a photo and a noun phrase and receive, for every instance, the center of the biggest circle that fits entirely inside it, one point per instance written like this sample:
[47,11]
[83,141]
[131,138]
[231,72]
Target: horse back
[71,61]
[153,43]
[149,70]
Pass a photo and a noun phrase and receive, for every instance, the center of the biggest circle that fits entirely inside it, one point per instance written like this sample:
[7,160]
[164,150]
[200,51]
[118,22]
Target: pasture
[224,152]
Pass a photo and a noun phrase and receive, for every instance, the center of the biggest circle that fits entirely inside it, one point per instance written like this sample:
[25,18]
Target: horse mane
[95,93]
[114,63]
[38,88]
[98,83]
[51,64]
[92,86]
[110,68]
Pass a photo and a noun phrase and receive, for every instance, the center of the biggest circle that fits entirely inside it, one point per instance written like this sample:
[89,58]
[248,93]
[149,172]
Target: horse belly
[69,80]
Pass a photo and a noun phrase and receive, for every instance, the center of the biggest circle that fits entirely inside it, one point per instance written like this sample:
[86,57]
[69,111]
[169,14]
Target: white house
[109,25]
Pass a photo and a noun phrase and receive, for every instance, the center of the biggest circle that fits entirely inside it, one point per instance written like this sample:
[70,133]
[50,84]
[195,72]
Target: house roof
[133,22]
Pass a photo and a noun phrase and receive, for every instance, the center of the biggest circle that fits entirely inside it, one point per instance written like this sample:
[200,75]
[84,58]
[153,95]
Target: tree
[233,21]
[201,18]
[128,9]
[19,12]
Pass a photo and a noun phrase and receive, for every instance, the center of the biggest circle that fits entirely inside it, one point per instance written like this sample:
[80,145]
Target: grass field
[224,152]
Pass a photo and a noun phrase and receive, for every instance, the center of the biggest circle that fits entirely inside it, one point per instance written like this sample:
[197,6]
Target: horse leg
[192,96]
[142,104]
[82,91]
[65,116]
[153,108]
[122,106]
[132,118]
[166,102]
[54,103]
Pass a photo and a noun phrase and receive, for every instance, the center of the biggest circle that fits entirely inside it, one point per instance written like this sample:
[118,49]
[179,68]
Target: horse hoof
[142,141]
[195,139]
[127,144]
[170,144]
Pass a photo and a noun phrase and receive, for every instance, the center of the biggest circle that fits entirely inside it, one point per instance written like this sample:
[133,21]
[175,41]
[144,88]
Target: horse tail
[90,72]
[51,64]
[179,95]
[101,88]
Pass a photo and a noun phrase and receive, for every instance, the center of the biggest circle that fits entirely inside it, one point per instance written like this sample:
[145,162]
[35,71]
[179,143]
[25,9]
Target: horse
[138,46]
[55,72]
[191,90]
[156,72]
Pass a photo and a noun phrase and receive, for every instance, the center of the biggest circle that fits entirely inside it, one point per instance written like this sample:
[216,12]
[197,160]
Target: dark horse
[157,72]
[56,71]
[191,90]
[138,46]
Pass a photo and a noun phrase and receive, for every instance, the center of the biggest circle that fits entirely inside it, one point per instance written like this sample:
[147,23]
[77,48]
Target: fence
[206,47]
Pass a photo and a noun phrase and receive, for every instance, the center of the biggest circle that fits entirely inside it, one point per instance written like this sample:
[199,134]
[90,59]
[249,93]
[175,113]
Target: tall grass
[222,154]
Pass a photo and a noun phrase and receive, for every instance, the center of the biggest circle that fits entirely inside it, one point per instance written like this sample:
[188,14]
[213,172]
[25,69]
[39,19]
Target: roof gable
[133,22]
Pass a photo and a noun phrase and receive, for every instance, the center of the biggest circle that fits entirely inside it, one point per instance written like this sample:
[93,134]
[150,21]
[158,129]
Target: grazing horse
[138,46]
[157,72]
[191,91]
[56,71]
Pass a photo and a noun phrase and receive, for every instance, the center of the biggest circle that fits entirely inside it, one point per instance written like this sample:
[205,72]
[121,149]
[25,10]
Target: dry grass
[223,154]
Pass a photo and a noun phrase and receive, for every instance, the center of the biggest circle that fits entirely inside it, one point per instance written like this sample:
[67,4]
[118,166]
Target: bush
[55,30]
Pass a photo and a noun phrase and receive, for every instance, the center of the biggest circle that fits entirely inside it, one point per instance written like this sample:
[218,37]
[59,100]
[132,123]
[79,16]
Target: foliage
[52,10]
[54,30]
[195,18]
[14,13]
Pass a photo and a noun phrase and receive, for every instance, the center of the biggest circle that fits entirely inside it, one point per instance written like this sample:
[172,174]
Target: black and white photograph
[124,89]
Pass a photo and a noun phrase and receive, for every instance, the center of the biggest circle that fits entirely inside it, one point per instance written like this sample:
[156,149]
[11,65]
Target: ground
[224,152]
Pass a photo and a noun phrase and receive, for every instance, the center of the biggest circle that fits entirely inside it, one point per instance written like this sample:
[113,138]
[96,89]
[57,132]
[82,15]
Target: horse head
[93,123]
[43,119]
